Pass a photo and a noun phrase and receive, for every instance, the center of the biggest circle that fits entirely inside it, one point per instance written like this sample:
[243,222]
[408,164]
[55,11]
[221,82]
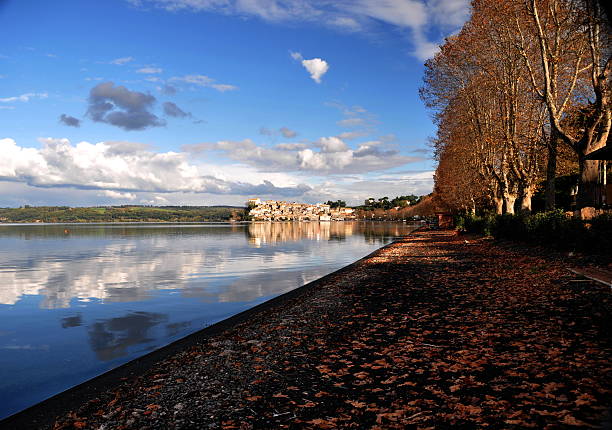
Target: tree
[574,51]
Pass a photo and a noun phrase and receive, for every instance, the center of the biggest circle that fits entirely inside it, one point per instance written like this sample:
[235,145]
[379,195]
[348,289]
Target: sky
[205,102]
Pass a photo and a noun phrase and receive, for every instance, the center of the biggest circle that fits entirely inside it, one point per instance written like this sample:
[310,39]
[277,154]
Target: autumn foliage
[521,78]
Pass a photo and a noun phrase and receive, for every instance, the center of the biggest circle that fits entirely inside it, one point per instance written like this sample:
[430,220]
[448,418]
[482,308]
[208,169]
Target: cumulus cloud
[171,109]
[331,144]
[70,121]
[121,167]
[149,70]
[121,61]
[328,155]
[316,67]
[418,17]
[291,146]
[24,97]
[204,81]
[118,106]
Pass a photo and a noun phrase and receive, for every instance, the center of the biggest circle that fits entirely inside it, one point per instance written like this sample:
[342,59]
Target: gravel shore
[433,331]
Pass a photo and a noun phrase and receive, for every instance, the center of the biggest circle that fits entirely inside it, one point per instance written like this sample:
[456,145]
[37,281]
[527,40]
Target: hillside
[121,214]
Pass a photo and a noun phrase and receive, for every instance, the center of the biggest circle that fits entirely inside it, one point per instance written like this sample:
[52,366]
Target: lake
[79,299]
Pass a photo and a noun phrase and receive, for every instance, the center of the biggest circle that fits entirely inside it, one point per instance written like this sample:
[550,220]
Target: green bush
[476,224]
[552,229]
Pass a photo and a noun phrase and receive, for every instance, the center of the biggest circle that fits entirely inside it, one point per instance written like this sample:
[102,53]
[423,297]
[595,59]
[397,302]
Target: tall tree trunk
[509,199]
[526,196]
[588,188]
[499,205]
[551,173]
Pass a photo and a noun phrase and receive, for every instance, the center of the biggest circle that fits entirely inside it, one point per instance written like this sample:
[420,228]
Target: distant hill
[126,213]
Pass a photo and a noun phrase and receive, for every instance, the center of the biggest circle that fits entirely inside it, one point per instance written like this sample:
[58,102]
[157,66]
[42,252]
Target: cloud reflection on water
[129,264]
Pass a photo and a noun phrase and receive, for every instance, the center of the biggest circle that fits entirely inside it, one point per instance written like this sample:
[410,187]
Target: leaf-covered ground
[431,332]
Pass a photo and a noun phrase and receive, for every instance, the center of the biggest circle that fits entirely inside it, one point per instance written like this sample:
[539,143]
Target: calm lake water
[79,299]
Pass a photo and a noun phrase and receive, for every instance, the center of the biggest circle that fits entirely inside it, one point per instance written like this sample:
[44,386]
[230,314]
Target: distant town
[274,210]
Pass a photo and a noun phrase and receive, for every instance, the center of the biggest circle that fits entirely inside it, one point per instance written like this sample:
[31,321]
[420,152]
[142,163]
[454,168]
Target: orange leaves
[356,404]
[322,424]
[571,421]
[390,380]
[361,375]
[253,398]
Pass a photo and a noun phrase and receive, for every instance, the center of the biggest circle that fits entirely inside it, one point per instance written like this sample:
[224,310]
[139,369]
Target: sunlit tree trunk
[551,173]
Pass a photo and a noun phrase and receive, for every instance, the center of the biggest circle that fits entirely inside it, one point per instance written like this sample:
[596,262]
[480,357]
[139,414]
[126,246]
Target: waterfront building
[273,210]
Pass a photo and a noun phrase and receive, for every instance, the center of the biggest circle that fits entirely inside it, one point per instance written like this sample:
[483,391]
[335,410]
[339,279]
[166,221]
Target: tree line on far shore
[121,214]
[521,95]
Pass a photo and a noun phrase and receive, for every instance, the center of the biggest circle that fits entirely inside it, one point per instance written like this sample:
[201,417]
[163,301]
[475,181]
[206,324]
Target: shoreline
[433,330]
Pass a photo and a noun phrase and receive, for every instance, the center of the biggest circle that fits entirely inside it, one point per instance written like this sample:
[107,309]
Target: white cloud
[121,61]
[117,168]
[149,70]
[119,196]
[328,155]
[331,144]
[448,13]
[316,67]
[416,16]
[351,122]
[350,135]
[203,81]
[24,97]
[344,23]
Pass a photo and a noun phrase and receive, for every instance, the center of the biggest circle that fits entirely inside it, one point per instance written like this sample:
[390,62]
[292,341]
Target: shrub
[551,229]
[476,224]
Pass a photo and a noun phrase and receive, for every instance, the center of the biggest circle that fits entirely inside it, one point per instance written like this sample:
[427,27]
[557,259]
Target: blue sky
[202,102]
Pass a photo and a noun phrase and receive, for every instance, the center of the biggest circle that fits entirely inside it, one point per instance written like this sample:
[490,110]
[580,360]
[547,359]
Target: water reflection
[76,300]
[131,268]
[111,338]
[72,321]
